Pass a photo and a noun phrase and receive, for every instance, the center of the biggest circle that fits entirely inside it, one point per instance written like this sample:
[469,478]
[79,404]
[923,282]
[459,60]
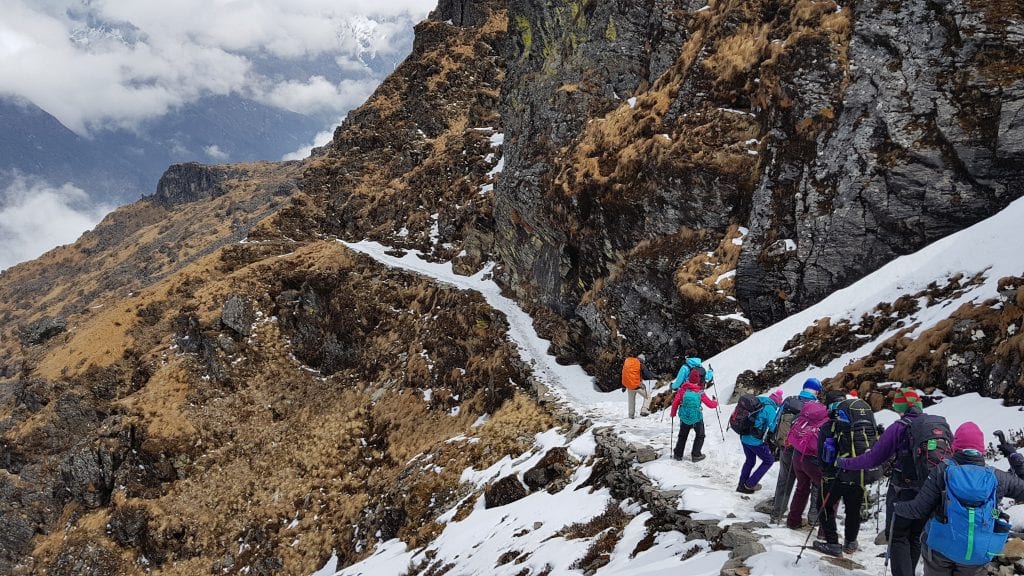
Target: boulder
[238,315]
[504,491]
[42,330]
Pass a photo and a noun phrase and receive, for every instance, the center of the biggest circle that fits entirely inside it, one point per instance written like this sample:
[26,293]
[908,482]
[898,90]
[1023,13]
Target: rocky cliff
[209,381]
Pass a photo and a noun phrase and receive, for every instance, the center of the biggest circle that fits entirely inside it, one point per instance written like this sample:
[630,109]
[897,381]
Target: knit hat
[642,357]
[812,384]
[904,399]
[969,437]
[777,396]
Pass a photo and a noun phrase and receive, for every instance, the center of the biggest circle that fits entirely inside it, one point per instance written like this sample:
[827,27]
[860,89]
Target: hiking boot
[644,413]
[698,457]
[674,457]
[881,539]
[743,489]
[828,548]
[792,526]
[850,547]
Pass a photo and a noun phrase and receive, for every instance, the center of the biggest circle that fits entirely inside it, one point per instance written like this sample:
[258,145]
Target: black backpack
[745,415]
[855,432]
[930,441]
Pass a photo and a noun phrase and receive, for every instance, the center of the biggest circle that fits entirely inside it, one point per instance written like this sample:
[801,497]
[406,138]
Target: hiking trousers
[905,535]
[935,564]
[748,476]
[852,496]
[808,477]
[698,441]
[631,394]
[784,486]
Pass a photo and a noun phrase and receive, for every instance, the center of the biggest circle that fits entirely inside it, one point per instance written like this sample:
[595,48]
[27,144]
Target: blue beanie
[812,384]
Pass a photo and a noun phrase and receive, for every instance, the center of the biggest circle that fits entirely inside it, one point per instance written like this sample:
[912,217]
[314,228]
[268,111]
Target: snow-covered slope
[477,543]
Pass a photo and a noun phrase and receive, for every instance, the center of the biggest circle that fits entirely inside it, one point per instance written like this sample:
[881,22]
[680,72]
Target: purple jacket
[889,444]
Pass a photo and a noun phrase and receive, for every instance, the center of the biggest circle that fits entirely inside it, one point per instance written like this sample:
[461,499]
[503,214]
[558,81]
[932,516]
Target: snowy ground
[474,544]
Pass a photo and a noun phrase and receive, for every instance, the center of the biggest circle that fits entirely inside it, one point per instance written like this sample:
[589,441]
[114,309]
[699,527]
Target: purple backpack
[803,435]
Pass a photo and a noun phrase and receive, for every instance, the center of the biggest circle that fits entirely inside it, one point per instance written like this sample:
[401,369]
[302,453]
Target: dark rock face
[85,558]
[552,466]
[926,141]
[844,138]
[184,183]
[42,330]
[504,491]
[88,476]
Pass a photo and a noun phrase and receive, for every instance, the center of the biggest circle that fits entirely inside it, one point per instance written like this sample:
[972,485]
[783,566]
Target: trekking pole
[888,540]
[671,437]
[817,520]
[721,429]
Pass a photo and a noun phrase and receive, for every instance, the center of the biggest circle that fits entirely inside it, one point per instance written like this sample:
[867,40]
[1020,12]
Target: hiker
[803,439]
[634,373]
[961,500]
[687,401]
[754,446]
[691,362]
[851,430]
[904,534]
[1010,452]
[789,412]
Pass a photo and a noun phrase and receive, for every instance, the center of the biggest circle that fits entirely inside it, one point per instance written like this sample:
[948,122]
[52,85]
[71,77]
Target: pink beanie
[777,396]
[969,437]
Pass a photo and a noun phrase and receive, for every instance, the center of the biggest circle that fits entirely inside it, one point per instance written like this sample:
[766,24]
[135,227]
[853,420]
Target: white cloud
[215,152]
[319,140]
[117,62]
[318,95]
[35,217]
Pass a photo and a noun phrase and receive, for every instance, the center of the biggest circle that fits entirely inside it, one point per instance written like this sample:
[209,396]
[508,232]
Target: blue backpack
[969,532]
[689,409]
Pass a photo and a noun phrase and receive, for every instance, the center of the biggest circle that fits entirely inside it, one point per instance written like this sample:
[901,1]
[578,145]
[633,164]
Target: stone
[746,550]
[238,315]
[504,491]
[646,454]
[42,330]
[735,536]
[189,182]
[552,465]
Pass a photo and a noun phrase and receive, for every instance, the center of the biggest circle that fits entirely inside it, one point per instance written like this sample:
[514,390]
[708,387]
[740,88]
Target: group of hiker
[942,503]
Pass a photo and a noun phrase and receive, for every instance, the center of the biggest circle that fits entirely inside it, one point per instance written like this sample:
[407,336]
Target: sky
[471,545]
[113,64]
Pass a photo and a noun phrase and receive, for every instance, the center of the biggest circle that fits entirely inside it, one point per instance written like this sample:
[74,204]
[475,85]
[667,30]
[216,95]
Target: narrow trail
[707,487]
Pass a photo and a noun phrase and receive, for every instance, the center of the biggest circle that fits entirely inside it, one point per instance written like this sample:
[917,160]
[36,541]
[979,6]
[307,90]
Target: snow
[632,102]
[707,488]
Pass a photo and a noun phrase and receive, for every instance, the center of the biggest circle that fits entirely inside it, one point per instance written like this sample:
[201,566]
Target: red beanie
[969,437]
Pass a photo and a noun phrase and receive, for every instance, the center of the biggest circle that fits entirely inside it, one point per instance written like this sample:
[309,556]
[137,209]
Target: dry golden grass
[737,54]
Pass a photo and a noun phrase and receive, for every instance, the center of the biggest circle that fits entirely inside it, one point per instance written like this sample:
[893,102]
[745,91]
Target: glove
[622,389]
[1006,448]
[880,429]
[840,463]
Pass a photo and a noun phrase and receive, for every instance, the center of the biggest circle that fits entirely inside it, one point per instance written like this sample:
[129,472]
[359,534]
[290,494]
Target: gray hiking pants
[784,489]
[936,564]
[631,394]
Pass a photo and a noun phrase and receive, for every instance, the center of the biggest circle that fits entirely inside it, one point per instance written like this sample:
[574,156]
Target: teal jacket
[765,420]
[684,372]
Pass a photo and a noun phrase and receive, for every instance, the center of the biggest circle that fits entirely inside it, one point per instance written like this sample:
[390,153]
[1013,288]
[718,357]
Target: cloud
[35,217]
[215,153]
[115,63]
[319,140]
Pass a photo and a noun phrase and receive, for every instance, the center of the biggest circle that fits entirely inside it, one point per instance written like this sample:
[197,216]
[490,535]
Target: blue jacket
[684,372]
[765,420]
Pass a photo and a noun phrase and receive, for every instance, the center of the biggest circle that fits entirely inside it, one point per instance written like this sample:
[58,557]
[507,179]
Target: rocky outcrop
[504,491]
[189,182]
[42,330]
[919,132]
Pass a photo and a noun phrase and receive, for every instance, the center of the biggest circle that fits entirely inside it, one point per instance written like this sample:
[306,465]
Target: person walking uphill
[961,499]
[898,441]
[754,446]
[803,437]
[634,372]
[687,402]
[691,363]
[788,413]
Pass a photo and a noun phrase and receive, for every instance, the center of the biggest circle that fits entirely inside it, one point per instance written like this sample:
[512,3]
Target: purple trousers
[807,475]
[762,452]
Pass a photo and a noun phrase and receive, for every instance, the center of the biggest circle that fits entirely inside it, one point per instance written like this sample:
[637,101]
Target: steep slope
[840,134]
[210,381]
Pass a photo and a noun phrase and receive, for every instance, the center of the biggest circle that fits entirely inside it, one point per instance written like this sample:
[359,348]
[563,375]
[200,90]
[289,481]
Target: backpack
[930,441]
[855,432]
[631,373]
[803,436]
[689,409]
[788,414]
[744,416]
[969,530]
